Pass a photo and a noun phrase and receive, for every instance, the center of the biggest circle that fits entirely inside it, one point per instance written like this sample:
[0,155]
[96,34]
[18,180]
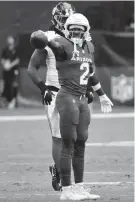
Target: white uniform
[52,80]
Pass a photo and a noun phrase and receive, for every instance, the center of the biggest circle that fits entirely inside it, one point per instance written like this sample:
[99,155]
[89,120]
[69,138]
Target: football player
[75,65]
[60,14]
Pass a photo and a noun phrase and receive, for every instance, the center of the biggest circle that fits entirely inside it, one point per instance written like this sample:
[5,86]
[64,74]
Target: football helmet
[77,28]
[60,13]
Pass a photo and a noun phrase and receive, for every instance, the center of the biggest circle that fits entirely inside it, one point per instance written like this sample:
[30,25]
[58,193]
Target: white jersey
[52,74]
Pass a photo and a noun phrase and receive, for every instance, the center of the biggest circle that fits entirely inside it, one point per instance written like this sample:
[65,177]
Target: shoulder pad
[62,40]
[51,35]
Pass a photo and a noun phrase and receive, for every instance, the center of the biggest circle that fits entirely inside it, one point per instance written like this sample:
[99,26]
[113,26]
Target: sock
[56,151]
[78,160]
[65,162]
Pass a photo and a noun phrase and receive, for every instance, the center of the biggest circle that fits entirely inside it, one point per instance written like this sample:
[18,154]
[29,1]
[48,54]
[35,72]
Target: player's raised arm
[39,40]
[58,49]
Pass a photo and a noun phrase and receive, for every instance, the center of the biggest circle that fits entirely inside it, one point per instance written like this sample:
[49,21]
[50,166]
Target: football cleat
[69,193]
[55,178]
[79,187]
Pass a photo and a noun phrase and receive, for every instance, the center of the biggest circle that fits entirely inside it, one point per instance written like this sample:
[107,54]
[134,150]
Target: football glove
[106,104]
[47,97]
[89,96]
[45,93]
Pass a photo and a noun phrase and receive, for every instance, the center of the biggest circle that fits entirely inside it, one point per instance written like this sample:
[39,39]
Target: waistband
[74,95]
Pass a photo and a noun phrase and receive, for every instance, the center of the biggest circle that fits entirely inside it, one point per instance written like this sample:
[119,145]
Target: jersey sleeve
[51,35]
[58,47]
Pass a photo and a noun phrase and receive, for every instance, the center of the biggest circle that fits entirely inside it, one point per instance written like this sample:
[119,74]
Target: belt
[53,88]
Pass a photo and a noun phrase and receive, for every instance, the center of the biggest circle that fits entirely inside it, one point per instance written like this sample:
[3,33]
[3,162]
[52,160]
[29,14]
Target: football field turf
[25,155]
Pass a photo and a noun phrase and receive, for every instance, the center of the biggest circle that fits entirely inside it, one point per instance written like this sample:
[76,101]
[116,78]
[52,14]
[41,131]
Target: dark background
[114,46]
[21,18]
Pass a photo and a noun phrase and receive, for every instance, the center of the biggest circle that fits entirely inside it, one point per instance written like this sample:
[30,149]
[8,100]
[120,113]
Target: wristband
[100,92]
[96,87]
[41,85]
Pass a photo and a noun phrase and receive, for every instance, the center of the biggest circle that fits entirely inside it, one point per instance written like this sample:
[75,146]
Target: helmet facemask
[76,33]
[60,21]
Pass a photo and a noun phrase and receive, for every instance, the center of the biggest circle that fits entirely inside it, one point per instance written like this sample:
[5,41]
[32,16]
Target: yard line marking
[107,183]
[86,172]
[112,144]
[26,197]
[85,183]
[113,115]
[41,163]
[43,117]
[109,172]
[23,118]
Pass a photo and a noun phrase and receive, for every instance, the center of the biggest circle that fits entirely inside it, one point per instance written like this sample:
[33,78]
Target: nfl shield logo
[122,88]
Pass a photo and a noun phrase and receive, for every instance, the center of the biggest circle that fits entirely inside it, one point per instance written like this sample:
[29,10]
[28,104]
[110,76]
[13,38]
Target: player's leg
[69,117]
[55,168]
[82,135]
[79,149]
[53,120]
[56,151]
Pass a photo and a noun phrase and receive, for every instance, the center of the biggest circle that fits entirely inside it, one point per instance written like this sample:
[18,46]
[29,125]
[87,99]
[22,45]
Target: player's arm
[35,62]
[39,40]
[58,49]
[95,84]
[38,58]
[106,104]
[93,81]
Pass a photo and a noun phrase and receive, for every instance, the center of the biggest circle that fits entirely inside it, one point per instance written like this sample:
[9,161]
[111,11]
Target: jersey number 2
[84,76]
